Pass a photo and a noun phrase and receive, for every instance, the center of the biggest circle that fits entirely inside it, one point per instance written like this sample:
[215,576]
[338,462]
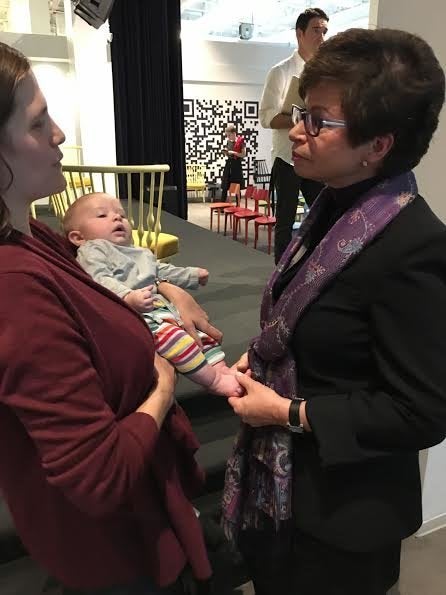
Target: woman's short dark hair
[305,17]
[391,82]
[13,67]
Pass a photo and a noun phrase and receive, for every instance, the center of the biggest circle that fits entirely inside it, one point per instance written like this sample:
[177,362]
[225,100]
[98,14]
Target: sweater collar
[344,198]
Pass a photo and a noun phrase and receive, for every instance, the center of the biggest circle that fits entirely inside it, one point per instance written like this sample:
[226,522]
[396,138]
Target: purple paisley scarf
[259,472]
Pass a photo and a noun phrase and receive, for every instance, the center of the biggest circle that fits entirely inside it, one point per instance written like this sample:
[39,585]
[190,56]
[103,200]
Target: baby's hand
[141,299]
[203,276]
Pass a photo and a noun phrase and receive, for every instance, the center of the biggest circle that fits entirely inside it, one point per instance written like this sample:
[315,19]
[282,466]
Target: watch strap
[294,423]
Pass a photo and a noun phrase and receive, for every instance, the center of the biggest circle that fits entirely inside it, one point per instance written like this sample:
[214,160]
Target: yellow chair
[195,179]
[84,179]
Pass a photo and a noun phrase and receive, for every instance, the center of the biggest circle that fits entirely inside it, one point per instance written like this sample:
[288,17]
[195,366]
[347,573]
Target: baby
[97,224]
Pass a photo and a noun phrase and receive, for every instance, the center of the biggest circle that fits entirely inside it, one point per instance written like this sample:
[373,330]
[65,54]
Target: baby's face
[103,218]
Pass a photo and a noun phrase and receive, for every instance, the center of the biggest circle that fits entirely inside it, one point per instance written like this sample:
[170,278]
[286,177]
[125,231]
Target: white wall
[412,16]
[29,16]
[426,20]
[230,70]
[57,84]
[434,490]
[94,93]
[230,62]
[76,78]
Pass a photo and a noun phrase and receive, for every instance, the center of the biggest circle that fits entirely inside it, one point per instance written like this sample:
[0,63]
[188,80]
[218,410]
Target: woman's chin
[60,185]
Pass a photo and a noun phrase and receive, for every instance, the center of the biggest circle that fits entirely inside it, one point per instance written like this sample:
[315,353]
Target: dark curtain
[148,90]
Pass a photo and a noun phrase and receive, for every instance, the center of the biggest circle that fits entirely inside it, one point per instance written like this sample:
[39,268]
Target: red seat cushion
[265,220]
[219,205]
[246,213]
[233,209]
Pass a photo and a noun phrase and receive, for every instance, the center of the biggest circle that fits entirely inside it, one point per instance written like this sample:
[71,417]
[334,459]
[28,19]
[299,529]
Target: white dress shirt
[274,92]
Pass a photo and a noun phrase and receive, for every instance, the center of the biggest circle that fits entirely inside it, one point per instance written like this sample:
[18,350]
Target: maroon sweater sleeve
[48,380]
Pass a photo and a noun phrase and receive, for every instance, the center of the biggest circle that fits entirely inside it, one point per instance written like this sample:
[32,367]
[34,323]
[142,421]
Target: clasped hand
[260,405]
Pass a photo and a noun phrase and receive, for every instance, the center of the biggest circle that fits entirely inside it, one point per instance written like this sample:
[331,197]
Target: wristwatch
[294,423]
[158,281]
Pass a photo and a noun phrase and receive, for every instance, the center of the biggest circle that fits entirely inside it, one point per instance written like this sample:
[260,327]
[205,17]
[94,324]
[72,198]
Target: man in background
[311,28]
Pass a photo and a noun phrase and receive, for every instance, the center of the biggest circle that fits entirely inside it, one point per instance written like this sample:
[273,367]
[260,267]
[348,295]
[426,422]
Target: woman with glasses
[346,381]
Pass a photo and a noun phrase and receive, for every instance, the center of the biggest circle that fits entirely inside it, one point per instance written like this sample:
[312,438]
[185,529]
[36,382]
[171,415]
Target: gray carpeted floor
[198,213]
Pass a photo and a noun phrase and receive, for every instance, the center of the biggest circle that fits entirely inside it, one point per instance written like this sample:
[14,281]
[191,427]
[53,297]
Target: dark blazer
[371,355]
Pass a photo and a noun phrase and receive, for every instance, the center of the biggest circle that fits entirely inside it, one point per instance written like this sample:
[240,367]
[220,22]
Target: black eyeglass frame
[312,123]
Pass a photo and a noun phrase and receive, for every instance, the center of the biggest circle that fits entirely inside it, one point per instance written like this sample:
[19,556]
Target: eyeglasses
[312,122]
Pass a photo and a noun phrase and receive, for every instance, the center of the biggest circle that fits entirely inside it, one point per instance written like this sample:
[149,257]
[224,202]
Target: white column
[413,16]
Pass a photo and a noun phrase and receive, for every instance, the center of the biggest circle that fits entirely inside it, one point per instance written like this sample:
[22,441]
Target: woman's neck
[19,219]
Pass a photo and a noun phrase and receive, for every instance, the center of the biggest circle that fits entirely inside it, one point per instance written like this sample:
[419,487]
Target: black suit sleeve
[407,409]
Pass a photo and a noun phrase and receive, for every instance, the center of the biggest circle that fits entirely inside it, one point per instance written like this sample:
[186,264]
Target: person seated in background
[235,150]
[97,224]
[348,377]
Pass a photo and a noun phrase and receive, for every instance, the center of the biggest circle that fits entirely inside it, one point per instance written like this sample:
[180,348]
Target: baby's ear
[76,238]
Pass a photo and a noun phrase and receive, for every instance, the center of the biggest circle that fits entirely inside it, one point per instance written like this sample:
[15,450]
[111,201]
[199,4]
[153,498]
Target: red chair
[219,207]
[247,215]
[234,191]
[265,221]
[260,198]
[249,192]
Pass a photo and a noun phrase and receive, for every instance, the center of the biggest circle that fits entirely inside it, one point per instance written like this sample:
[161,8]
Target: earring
[364,163]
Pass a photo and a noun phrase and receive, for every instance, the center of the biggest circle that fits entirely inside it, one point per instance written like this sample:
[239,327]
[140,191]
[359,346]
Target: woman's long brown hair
[13,67]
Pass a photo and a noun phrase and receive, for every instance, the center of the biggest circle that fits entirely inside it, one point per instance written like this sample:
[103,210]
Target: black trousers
[298,564]
[287,185]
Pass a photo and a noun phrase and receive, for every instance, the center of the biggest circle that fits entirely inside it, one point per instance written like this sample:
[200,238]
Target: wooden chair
[219,207]
[195,179]
[265,221]
[148,178]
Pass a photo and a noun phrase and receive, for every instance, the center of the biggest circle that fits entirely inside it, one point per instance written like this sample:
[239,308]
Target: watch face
[296,429]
